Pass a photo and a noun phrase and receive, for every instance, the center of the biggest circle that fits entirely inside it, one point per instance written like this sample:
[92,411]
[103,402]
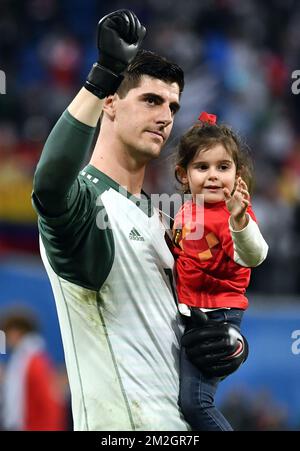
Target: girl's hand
[237,204]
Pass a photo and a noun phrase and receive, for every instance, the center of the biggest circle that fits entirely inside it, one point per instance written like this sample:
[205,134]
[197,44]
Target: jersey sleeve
[250,248]
[55,186]
[68,207]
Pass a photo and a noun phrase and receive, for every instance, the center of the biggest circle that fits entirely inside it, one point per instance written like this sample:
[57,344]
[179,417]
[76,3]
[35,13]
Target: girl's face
[209,172]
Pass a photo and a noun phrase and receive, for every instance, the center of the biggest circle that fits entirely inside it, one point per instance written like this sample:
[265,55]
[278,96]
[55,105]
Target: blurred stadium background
[238,57]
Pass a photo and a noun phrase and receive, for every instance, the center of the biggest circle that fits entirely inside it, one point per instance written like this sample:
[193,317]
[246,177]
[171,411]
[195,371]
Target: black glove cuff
[102,82]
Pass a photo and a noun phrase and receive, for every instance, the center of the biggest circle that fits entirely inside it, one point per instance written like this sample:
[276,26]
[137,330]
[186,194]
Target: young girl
[213,261]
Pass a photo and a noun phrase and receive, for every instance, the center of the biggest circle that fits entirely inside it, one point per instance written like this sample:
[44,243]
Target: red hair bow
[206,117]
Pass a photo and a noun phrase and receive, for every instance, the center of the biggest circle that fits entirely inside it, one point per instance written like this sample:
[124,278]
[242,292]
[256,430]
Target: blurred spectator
[31,397]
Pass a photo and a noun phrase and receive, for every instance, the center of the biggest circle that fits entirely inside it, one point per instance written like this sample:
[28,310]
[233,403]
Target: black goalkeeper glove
[217,349]
[119,37]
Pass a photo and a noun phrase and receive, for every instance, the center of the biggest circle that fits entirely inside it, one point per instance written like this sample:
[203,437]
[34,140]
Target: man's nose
[165,117]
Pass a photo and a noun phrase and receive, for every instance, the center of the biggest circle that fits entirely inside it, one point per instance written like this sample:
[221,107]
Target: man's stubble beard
[146,154]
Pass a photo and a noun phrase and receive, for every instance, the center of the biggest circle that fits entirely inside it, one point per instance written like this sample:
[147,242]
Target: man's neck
[120,167]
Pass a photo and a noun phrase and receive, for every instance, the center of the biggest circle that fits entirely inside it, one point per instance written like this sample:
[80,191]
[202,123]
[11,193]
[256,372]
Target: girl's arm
[250,248]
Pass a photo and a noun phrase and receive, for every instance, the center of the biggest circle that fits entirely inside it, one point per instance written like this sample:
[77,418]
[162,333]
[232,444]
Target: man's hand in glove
[217,349]
[119,38]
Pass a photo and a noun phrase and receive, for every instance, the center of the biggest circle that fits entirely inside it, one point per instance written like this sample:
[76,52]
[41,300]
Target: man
[32,400]
[102,242]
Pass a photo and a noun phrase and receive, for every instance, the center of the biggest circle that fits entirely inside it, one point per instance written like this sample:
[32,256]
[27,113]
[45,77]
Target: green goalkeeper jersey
[110,271]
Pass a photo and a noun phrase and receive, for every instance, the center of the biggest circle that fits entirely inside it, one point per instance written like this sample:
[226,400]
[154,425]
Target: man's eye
[151,100]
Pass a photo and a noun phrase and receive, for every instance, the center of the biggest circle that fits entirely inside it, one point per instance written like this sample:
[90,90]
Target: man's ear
[109,106]
[181,174]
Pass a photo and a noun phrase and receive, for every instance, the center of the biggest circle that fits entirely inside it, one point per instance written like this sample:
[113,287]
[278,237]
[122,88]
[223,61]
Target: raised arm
[250,248]
[64,154]
[119,37]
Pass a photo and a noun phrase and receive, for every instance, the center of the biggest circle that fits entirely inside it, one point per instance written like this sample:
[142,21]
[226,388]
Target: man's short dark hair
[21,319]
[153,65]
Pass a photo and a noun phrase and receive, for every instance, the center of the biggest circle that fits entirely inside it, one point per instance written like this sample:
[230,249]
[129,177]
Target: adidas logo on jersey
[134,235]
